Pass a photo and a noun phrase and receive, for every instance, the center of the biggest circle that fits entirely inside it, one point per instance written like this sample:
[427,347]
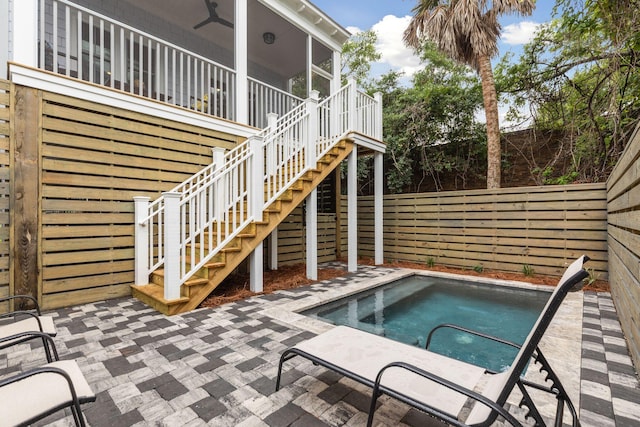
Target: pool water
[407,309]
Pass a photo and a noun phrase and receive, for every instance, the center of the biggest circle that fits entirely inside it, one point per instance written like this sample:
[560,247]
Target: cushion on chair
[28,324]
[42,394]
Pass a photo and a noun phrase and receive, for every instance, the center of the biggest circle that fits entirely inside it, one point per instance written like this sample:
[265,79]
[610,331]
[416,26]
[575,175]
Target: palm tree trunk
[494,152]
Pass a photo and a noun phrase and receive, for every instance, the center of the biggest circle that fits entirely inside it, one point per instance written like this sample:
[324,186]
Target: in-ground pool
[407,309]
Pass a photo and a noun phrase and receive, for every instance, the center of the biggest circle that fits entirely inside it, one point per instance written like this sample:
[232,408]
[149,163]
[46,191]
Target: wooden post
[141,242]
[25,192]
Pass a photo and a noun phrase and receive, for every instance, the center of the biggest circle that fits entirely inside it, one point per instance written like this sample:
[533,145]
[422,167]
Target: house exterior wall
[6,26]
[623,206]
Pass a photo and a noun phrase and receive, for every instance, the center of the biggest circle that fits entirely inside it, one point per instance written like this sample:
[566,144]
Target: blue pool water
[407,309]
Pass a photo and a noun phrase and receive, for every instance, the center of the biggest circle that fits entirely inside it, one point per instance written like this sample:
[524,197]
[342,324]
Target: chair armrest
[27,297]
[469,331]
[25,336]
[443,382]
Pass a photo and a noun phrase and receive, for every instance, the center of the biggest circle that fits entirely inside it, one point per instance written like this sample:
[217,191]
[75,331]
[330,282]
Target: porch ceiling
[286,56]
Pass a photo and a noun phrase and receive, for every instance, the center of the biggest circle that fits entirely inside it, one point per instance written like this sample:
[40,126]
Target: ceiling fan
[213,16]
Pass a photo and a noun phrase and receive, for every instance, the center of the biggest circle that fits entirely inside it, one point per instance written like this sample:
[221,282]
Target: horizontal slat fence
[5,184]
[623,203]
[505,229]
[292,238]
[94,160]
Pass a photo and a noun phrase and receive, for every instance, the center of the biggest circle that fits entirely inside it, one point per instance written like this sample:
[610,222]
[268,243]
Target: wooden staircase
[198,287]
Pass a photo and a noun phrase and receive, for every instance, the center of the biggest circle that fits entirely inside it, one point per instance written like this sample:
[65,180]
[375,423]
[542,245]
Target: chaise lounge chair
[439,385]
[34,394]
[15,322]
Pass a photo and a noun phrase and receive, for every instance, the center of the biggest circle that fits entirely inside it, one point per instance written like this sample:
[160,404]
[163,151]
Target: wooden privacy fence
[541,227]
[5,184]
[623,205]
[292,238]
[78,165]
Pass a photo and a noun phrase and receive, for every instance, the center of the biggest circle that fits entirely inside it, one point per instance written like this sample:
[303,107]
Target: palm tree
[468,31]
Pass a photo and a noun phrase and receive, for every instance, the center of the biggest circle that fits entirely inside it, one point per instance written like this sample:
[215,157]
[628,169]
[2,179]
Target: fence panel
[542,227]
[623,206]
[95,159]
[5,171]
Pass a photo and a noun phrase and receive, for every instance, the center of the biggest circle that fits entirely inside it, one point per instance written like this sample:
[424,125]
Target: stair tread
[157,293]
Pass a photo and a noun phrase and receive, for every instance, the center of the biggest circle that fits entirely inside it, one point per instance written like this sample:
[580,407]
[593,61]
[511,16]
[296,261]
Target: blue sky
[390,17]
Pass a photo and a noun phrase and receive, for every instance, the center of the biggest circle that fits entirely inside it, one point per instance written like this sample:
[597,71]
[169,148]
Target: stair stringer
[239,249]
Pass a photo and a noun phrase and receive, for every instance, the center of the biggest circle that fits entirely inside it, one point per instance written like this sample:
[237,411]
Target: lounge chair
[34,394]
[439,385]
[15,322]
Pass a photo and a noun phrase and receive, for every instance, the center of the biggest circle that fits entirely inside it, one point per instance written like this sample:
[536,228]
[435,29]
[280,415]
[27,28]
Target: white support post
[241,61]
[171,245]
[312,235]
[377,209]
[256,189]
[351,102]
[219,194]
[4,37]
[272,158]
[379,135]
[218,156]
[273,250]
[141,244]
[352,210]
[309,64]
[336,82]
[272,119]
[256,269]
[25,33]
[312,135]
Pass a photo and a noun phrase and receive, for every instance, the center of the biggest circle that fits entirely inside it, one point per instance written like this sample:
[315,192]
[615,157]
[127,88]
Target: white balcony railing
[80,43]
[189,225]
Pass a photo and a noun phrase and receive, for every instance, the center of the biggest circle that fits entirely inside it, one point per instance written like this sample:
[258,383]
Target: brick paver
[218,366]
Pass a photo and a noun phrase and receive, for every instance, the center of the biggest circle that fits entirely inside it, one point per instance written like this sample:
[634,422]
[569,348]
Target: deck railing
[80,43]
[265,99]
[188,226]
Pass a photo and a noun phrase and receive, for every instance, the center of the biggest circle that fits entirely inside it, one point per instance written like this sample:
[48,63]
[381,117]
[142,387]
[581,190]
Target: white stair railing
[189,225]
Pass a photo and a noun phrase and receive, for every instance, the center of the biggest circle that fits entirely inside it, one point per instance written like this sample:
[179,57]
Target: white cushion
[364,354]
[41,393]
[28,324]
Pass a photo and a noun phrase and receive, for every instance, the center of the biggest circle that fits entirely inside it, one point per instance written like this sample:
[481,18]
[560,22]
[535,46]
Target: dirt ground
[236,286]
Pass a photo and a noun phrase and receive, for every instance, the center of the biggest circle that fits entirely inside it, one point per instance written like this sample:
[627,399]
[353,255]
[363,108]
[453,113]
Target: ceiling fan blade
[225,22]
[203,23]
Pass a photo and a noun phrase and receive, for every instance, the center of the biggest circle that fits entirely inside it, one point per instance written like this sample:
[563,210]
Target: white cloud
[391,47]
[520,33]
[354,30]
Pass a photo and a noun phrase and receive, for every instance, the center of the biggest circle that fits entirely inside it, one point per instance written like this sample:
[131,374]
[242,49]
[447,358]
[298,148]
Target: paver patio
[218,366]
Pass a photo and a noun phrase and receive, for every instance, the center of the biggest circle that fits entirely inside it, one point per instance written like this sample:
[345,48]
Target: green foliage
[593,276]
[527,270]
[478,268]
[430,128]
[431,262]
[580,75]
[357,55]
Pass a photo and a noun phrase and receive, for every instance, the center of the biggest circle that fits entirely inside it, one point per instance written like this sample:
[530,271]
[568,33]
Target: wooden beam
[25,197]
